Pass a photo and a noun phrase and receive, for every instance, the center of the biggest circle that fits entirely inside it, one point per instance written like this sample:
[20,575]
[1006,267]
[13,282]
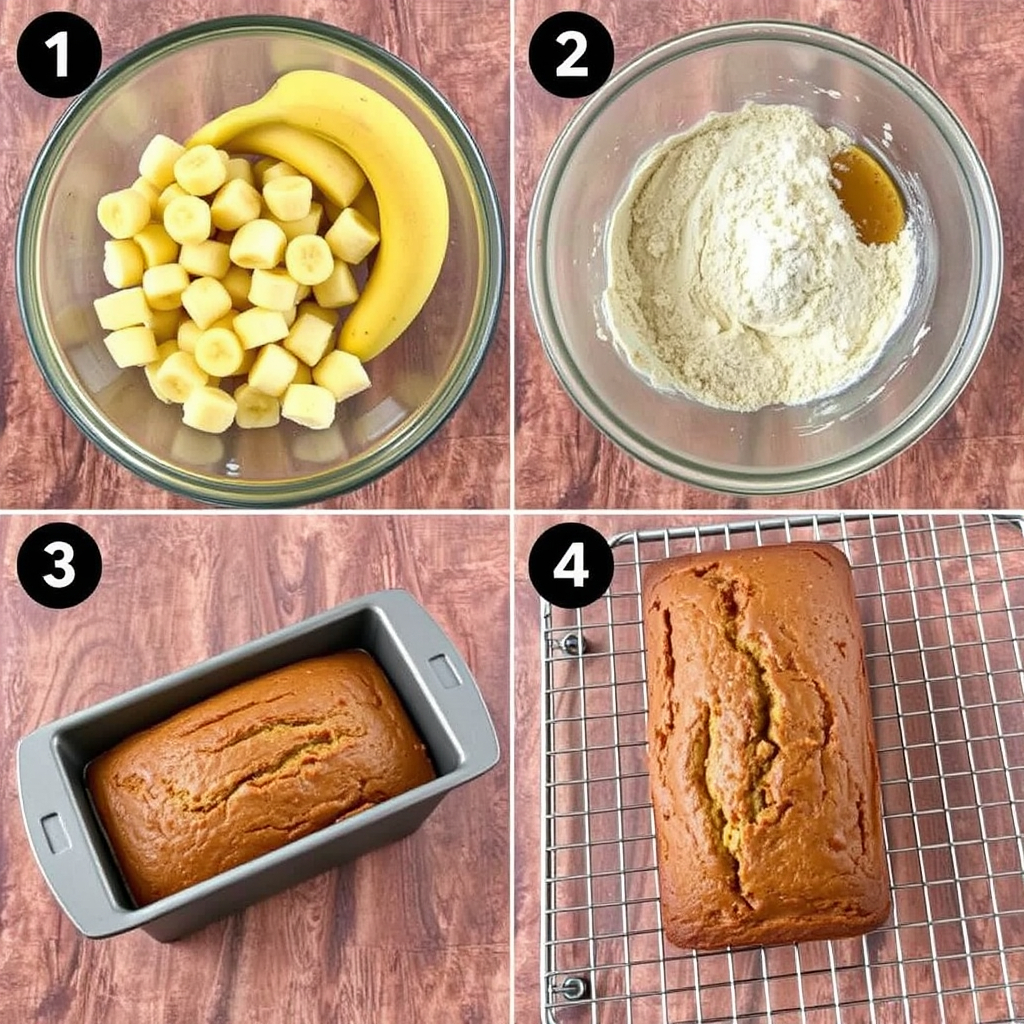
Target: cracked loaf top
[252,768]
[764,773]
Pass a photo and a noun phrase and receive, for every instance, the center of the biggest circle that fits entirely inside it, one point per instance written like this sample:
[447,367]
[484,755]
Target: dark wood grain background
[969,50]
[45,462]
[415,932]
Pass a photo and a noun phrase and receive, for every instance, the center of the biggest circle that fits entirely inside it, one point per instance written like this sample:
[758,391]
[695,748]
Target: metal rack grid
[942,602]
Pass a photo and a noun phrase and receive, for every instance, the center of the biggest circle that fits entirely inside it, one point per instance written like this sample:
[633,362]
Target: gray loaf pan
[430,677]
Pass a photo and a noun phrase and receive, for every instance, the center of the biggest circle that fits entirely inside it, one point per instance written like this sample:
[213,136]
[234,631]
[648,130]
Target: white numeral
[568,67]
[571,565]
[60,41]
[63,563]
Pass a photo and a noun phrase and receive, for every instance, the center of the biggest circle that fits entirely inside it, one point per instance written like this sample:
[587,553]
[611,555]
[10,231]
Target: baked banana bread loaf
[764,772]
[252,768]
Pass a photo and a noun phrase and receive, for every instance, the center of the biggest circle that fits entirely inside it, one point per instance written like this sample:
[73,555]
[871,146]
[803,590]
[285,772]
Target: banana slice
[163,351]
[258,245]
[308,225]
[150,191]
[209,409]
[289,196]
[239,169]
[123,263]
[179,375]
[200,170]
[276,169]
[157,162]
[342,374]
[131,346]
[123,214]
[273,371]
[352,237]
[257,327]
[173,191]
[310,338]
[206,300]
[235,204]
[187,219]
[339,289]
[255,409]
[163,286]
[164,324]
[206,259]
[366,204]
[273,289]
[188,334]
[309,405]
[309,260]
[126,308]
[219,352]
[237,281]
[157,246]
[329,316]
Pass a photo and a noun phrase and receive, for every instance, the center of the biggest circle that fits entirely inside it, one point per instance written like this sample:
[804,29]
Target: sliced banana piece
[157,246]
[309,405]
[187,219]
[179,375]
[289,196]
[337,290]
[258,327]
[352,237]
[123,214]
[131,346]
[126,308]
[219,352]
[258,245]
[157,162]
[342,374]
[163,286]
[123,263]
[255,409]
[209,409]
[308,259]
[309,338]
[273,289]
[206,300]
[273,371]
[201,170]
[235,204]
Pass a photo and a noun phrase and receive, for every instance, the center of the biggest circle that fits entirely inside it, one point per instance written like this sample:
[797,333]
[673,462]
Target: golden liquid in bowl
[869,195]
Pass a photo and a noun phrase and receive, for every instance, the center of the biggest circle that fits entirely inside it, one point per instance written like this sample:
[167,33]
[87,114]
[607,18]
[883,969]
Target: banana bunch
[231,273]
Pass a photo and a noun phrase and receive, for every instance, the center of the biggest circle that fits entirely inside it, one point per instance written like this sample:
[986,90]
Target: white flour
[736,275]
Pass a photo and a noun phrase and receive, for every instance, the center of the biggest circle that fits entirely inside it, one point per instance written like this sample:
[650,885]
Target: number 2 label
[568,68]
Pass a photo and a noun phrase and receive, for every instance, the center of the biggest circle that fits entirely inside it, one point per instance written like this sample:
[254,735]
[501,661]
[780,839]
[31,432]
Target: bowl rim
[920,416]
[316,486]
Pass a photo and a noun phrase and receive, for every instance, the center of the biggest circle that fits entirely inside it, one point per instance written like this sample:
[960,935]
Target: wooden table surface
[969,51]
[415,932]
[46,463]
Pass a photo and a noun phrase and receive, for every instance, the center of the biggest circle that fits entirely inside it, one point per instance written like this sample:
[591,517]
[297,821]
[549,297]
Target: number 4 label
[571,566]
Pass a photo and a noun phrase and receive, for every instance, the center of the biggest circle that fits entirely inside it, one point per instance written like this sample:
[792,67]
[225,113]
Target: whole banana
[401,169]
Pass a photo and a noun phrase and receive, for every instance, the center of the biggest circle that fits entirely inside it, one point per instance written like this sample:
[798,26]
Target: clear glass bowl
[883,106]
[173,85]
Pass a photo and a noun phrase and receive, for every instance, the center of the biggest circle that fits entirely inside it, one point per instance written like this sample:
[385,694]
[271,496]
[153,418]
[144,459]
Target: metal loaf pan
[430,677]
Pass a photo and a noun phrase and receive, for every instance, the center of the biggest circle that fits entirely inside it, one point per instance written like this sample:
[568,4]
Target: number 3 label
[62,554]
[59,565]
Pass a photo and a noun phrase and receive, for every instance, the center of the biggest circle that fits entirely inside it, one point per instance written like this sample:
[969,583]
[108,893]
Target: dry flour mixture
[735,273]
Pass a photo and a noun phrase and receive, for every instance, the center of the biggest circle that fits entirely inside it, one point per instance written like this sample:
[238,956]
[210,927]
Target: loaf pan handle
[59,843]
[449,680]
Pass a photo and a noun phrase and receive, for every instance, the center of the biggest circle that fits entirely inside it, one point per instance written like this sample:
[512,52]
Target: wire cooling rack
[942,602]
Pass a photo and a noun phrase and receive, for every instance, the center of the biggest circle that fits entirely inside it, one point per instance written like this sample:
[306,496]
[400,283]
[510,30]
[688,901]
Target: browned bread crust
[252,768]
[764,772]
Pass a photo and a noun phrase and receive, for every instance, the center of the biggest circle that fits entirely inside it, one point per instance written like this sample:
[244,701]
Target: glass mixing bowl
[173,85]
[885,108]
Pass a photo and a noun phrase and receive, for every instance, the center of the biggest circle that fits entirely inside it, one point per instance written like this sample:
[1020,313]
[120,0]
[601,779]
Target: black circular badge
[59,565]
[571,565]
[571,54]
[59,54]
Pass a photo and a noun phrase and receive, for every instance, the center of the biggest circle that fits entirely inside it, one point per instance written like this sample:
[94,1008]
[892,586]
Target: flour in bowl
[737,276]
